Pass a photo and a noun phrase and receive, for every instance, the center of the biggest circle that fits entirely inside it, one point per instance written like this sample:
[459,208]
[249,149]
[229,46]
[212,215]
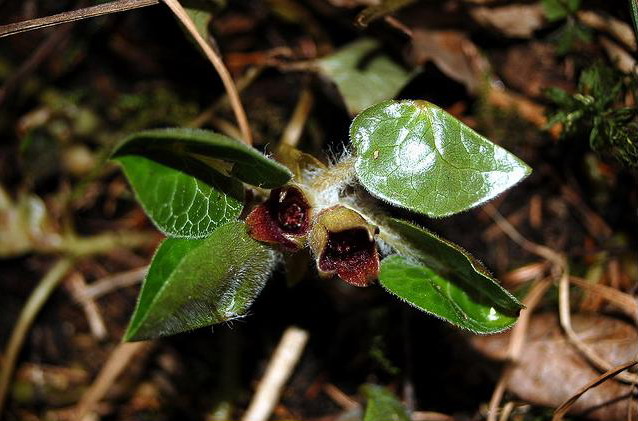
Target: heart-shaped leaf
[415,155]
[364,74]
[182,196]
[383,405]
[441,278]
[226,155]
[196,283]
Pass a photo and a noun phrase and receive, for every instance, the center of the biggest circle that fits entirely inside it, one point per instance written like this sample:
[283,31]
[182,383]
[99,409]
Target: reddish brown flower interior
[282,218]
[352,255]
[291,210]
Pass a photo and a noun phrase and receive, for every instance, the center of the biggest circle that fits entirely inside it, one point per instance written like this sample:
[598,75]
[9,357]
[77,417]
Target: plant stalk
[34,304]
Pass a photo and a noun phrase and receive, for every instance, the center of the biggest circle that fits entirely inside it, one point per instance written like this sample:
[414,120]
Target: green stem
[33,306]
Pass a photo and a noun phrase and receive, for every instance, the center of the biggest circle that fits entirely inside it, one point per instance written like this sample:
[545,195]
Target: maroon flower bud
[343,243]
[283,219]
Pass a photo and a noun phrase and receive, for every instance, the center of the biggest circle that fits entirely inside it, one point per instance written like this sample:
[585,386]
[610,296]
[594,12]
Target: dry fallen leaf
[550,370]
[453,53]
[515,20]
[531,68]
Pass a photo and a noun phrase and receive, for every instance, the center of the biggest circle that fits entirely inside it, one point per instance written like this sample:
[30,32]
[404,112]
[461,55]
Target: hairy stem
[34,304]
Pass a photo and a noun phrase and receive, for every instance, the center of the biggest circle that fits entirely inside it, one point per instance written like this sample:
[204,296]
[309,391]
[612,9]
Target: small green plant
[410,154]
[599,112]
[571,32]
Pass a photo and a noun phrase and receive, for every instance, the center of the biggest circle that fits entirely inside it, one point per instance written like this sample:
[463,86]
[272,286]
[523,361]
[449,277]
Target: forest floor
[565,240]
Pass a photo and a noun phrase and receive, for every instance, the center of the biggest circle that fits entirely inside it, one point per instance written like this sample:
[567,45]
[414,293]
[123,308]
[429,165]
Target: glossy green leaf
[220,152]
[364,74]
[415,155]
[182,196]
[421,287]
[383,405]
[196,283]
[449,260]
[441,278]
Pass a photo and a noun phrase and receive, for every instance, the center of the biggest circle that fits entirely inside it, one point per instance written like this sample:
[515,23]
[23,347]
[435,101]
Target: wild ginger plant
[409,154]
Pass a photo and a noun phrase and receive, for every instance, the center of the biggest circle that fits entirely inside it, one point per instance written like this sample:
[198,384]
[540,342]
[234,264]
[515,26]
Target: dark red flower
[283,219]
[344,244]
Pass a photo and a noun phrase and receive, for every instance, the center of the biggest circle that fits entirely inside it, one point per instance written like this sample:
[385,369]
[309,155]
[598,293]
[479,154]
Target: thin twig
[226,127]
[102,243]
[614,371]
[29,312]
[507,411]
[515,236]
[561,270]
[624,301]
[339,397]
[217,62]
[623,60]
[566,323]
[605,23]
[279,369]
[74,15]
[117,362]
[111,283]
[397,24]
[77,285]
[430,416]
[242,83]
[294,128]
[516,343]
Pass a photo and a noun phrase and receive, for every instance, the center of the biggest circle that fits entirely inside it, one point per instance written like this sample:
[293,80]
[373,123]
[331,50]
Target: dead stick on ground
[29,312]
[516,343]
[77,285]
[217,62]
[617,28]
[566,323]
[279,369]
[507,411]
[339,397]
[431,416]
[622,300]
[565,406]
[111,283]
[561,272]
[74,15]
[117,362]
[294,128]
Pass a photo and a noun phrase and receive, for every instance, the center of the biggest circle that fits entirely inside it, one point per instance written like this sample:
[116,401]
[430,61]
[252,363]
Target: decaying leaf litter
[567,237]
